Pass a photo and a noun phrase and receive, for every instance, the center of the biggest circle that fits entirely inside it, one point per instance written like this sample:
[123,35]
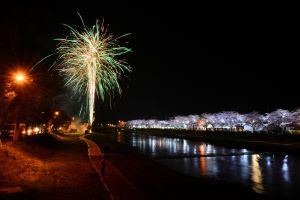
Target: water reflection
[202,166]
[120,137]
[178,147]
[277,175]
[256,174]
[285,169]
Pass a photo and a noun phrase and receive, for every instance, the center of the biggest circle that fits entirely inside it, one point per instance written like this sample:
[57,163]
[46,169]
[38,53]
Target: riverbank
[158,182]
[268,142]
[48,167]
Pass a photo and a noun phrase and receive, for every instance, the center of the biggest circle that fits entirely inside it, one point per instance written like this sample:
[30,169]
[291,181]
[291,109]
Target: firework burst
[89,62]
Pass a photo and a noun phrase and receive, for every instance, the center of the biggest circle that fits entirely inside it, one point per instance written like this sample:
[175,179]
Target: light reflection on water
[267,173]
[256,174]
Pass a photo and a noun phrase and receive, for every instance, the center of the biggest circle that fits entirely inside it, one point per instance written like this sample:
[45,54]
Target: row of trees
[32,103]
[279,120]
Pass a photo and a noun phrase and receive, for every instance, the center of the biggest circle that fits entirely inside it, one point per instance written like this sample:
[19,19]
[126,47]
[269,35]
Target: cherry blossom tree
[209,120]
[279,119]
[296,115]
[255,120]
[230,120]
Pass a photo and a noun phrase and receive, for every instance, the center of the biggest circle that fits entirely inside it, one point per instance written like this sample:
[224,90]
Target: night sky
[186,59]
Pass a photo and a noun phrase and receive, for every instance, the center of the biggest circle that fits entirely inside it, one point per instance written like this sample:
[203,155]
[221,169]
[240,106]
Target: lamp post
[19,80]
[56,114]
[52,123]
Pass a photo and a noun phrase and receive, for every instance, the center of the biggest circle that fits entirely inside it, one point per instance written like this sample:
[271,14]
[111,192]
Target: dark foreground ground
[46,167]
[157,182]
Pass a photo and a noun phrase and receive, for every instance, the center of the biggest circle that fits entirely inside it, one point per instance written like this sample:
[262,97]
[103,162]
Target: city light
[36,130]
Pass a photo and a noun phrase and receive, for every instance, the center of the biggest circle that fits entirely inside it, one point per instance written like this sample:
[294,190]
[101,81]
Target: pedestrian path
[10,190]
[115,183]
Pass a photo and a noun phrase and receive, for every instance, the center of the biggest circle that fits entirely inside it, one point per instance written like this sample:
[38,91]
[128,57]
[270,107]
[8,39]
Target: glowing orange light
[20,77]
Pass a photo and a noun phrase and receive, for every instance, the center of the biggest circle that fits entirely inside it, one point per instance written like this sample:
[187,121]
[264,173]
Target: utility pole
[16,128]
[20,79]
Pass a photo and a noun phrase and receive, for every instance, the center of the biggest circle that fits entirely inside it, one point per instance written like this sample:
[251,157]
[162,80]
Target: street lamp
[19,79]
[52,121]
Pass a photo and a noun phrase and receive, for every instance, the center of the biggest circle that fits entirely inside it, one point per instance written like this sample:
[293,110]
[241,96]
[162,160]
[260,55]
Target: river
[277,175]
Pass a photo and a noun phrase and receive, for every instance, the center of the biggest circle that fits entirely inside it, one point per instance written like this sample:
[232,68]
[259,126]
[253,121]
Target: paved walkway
[11,190]
[115,183]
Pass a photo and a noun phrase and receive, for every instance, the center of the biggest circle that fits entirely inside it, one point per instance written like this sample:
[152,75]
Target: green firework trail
[89,60]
